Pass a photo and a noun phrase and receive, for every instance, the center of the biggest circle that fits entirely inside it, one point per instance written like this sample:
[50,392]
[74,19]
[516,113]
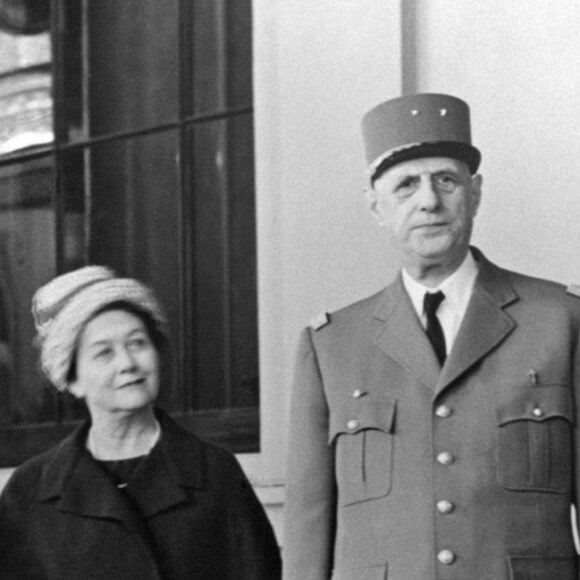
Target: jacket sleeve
[576,391]
[310,483]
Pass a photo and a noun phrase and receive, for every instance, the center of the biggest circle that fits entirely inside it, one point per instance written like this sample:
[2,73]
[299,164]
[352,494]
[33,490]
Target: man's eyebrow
[406,175]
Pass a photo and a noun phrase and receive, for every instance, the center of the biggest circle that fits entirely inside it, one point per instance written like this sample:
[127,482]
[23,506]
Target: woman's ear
[76,389]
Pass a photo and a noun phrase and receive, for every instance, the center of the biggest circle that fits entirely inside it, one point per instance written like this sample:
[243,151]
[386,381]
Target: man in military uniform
[434,425]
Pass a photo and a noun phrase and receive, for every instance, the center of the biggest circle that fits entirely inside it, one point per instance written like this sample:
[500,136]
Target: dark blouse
[122,471]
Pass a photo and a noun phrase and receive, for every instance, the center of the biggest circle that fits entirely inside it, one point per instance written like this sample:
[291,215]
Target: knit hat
[62,307]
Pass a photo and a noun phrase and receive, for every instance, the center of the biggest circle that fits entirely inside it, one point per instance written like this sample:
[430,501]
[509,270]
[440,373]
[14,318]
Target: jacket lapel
[485,324]
[402,337]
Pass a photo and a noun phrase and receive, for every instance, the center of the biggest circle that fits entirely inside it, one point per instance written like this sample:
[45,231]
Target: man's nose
[427,196]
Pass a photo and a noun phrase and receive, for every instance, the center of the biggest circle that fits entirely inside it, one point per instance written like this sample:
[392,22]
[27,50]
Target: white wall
[319,65]
[516,64]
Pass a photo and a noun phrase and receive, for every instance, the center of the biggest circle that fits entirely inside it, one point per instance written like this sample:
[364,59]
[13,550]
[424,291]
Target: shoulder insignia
[319,321]
[574,289]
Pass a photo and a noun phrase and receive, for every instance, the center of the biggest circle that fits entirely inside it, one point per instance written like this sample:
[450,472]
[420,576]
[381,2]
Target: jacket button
[446,557]
[445,458]
[538,412]
[445,507]
[443,411]
[352,424]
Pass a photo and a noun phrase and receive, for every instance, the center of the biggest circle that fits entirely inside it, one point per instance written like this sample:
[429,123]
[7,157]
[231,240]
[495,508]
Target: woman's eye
[103,353]
[138,342]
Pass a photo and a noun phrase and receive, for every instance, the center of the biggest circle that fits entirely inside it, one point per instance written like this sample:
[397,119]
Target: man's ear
[476,184]
[372,198]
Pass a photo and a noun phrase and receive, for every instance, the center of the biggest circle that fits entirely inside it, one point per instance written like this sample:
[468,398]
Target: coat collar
[81,485]
[484,326]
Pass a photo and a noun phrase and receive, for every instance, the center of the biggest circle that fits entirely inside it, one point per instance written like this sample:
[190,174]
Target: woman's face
[117,364]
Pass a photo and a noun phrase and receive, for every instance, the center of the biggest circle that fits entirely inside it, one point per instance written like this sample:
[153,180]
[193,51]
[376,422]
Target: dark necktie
[434,331]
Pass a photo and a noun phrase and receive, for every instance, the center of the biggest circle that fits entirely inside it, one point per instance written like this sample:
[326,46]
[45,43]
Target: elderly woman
[130,494]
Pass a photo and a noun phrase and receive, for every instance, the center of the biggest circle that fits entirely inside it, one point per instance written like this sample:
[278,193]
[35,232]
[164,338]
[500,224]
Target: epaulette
[319,321]
[574,289]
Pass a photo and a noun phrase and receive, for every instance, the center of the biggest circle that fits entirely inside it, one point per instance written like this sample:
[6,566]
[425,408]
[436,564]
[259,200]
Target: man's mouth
[430,226]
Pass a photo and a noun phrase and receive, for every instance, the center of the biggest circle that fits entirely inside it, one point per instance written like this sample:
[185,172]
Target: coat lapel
[162,483]
[402,337]
[485,324]
[81,485]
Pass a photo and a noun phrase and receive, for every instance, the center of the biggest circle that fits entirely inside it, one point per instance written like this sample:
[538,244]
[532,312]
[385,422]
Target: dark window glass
[220,56]
[225,274]
[27,260]
[133,64]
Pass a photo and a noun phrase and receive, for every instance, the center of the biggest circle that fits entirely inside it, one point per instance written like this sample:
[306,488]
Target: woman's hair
[157,337]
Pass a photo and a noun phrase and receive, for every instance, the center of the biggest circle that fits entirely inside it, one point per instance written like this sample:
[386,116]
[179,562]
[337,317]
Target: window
[140,158]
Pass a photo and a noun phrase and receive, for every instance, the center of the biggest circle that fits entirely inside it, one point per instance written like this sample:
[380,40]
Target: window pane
[71,89]
[25,91]
[27,260]
[224,264]
[221,56]
[135,217]
[73,185]
[131,65]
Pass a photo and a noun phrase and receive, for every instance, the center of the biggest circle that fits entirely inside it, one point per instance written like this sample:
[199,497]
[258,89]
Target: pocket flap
[360,414]
[535,403]
[541,568]
[378,572]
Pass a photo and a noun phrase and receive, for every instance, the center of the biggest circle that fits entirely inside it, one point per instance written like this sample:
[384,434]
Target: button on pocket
[361,432]
[535,438]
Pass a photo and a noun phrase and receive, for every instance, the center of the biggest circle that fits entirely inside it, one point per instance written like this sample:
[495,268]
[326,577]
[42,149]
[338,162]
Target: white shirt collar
[457,289]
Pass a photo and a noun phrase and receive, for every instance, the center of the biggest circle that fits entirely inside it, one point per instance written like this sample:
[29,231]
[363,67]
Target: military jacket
[399,469]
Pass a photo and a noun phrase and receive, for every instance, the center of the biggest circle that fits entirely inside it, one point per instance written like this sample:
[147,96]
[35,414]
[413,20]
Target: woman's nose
[126,359]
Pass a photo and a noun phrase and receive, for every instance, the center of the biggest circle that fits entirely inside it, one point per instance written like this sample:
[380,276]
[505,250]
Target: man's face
[428,205]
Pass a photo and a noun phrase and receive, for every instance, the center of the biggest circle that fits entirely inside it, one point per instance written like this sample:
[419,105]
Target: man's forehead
[429,164]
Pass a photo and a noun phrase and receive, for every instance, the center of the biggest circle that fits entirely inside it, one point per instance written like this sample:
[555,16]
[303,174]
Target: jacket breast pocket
[534,448]
[362,432]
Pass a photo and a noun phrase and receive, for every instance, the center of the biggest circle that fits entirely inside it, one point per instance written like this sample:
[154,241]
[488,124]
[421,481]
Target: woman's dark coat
[62,518]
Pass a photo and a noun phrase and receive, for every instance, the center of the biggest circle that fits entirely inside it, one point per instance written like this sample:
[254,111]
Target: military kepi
[421,125]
